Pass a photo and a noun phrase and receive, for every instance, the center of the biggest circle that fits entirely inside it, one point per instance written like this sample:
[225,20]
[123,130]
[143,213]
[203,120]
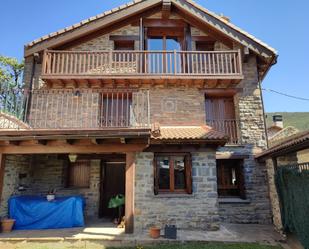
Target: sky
[283,24]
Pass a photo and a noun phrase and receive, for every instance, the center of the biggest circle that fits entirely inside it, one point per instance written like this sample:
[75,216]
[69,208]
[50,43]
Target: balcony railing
[80,109]
[229,127]
[212,64]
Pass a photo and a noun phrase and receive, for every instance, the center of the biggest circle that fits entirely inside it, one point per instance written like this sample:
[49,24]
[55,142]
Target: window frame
[238,164]
[188,174]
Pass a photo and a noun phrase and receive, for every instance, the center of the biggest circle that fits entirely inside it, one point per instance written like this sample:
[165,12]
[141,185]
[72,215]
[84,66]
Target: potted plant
[154,232]
[7,225]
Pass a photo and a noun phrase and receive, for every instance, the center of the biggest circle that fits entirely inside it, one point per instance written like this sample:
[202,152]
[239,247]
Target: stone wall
[288,159]
[274,200]
[177,105]
[43,173]
[196,211]
[256,207]
[14,166]
[249,110]
[104,43]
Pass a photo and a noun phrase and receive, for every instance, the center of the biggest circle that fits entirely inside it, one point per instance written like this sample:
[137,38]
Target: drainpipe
[264,117]
[273,62]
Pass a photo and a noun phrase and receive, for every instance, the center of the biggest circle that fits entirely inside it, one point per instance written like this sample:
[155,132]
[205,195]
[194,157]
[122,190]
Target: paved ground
[104,233]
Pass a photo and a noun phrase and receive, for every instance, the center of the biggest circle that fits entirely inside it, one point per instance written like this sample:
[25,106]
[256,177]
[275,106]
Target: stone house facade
[186,123]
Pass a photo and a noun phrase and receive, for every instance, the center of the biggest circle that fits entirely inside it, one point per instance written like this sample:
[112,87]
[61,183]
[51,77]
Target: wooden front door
[112,183]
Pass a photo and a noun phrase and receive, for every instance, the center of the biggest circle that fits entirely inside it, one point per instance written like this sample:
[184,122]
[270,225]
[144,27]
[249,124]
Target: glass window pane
[164,172]
[172,43]
[179,172]
[155,43]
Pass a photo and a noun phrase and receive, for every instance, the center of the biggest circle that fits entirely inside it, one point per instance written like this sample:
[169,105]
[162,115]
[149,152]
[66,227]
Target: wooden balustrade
[86,109]
[139,63]
[229,127]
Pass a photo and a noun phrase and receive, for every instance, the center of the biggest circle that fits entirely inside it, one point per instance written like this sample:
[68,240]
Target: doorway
[112,184]
[164,45]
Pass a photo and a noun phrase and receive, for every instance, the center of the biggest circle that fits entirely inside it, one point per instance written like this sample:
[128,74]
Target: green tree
[11,71]
[11,86]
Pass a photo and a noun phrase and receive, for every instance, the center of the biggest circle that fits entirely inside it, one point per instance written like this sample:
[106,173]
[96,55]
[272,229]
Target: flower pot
[7,225]
[154,232]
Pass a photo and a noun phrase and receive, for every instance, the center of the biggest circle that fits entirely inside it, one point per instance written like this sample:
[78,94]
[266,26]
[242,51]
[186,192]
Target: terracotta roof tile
[287,143]
[189,133]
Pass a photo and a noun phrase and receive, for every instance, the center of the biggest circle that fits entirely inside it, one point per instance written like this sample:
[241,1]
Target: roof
[275,137]
[109,18]
[37,134]
[83,22]
[233,26]
[11,122]
[189,133]
[295,142]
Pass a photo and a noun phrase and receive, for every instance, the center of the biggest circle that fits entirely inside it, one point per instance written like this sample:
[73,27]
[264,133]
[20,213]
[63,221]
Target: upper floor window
[172,173]
[230,178]
[220,114]
[164,43]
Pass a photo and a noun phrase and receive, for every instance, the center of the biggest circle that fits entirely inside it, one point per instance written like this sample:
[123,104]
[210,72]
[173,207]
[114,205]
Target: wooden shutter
[188,166]
[79,174]
[156,176]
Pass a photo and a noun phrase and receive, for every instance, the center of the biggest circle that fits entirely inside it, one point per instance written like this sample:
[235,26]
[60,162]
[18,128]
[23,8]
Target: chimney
[278,120]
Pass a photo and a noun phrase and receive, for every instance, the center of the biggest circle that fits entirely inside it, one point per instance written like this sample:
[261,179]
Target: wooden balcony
[208,66]
[80,109]
[229,127]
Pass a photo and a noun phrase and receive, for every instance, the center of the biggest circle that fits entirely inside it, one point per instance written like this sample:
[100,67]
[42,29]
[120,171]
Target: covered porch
[94,165]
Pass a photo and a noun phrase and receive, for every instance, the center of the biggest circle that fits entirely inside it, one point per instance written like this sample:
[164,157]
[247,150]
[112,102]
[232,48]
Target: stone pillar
[273,195]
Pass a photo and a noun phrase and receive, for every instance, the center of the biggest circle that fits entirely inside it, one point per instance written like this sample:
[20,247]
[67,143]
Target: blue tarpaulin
[33,212]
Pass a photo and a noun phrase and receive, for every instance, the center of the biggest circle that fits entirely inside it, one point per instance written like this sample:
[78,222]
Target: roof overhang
[206,20]
[292,144]
[73,141]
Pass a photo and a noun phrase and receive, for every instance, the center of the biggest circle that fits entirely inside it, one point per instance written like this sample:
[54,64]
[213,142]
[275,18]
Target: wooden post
[129,196]
[2,169]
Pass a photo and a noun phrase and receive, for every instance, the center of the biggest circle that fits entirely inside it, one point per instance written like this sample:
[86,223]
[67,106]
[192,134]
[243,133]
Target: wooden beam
[214,34]
[163,23]
[222,92]
[181,148]
[203,38]
[67,148]
[166,8]
[2,171]
[124,37]
[129,192]
[229,155]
